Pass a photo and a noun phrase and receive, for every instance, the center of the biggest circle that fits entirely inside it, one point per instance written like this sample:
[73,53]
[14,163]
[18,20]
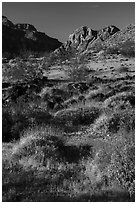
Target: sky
[60,19]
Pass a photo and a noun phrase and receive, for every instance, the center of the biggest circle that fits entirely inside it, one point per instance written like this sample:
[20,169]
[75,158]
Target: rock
[25,27]
[84,37]
[125,35]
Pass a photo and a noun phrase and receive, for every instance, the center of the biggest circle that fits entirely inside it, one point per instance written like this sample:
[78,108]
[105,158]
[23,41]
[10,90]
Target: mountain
[84,38]
[25,37]
[124,35]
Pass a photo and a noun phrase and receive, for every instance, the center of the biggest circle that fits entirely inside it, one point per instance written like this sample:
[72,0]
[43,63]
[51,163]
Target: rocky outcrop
[84,37]
[126,34]
[25,27]
[24,37]
[7,22]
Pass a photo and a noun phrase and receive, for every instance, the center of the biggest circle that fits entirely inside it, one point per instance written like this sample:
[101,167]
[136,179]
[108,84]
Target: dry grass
[82,115]
[83,151]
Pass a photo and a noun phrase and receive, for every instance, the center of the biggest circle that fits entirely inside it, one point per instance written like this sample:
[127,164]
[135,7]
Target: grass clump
[97,95]
[37,146]
[112,122]
[122,166]
[21,115]
[82,115]
[122,100]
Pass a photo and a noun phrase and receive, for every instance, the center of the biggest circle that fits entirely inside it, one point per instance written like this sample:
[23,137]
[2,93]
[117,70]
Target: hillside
[24,37]
[109,40]
[122,40]
[68,120]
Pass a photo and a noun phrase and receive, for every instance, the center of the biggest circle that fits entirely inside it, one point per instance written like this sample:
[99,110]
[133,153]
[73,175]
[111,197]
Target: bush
[123,100]
[77,116]
[112,50]
[111,123]
[37,145]
[7,123]
[97,94]
[122,166]
[78,72]
[21,115]
[55,58]
[22,71]
[127,49]
[114,160]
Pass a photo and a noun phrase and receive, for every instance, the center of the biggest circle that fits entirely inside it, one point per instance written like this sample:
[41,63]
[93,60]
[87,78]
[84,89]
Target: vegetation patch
[77,116]
[122,100]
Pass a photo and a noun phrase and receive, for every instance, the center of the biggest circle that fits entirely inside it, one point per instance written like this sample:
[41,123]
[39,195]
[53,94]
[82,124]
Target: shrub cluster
[19,116]
[77,116]
[78,72]
[127,49]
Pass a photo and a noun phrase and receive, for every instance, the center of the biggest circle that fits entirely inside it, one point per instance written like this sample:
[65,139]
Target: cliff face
[84,38]
[25,27]
[18,37]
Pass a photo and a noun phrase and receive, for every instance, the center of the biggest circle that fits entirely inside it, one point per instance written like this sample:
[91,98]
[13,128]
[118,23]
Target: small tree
[78,72]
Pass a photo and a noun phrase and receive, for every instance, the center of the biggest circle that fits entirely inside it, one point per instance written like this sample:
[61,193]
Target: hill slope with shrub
[68,127]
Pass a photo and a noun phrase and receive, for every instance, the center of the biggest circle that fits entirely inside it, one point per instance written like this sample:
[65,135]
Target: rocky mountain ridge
[25,27]
[84,37]
[126,34]
[25,37]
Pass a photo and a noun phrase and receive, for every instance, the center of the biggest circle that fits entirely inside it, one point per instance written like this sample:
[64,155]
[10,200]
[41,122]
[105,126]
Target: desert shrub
[21,71]
[7,123]
[127,88]
[37,146]
[18,116]
[122,166]
[127,49]
[122,100]
[61,56]
[12,125]
[98,95]
[47,142]
[112,50]
[78,72]
[112,122]
[114,162]
[38,162]
[50,60]
[77,116]
[70,102]
[67,55]
[83,59]
[97,47]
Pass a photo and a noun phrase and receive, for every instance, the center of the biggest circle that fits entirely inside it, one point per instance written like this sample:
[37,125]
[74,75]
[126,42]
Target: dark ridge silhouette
[24,37]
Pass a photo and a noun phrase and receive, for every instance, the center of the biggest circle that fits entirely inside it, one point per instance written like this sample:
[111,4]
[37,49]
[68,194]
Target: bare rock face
[107,32]
[126,34]
[19,37]
[26,27]
[81,38]
[84,37]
